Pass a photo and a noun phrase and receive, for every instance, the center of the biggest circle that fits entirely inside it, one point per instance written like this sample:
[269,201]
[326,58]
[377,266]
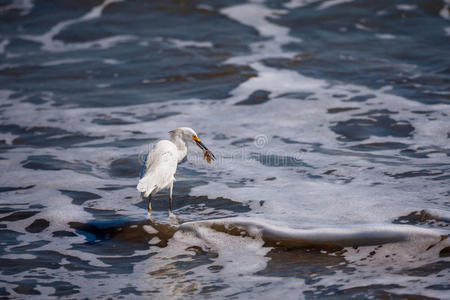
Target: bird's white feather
[161,166]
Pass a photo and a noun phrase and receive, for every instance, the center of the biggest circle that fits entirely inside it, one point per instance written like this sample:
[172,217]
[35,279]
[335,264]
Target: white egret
[161,163]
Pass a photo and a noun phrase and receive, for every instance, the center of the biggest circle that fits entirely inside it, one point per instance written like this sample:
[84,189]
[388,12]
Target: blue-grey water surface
[330,121]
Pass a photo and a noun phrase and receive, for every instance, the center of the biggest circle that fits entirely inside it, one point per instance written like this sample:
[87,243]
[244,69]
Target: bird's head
[189,135]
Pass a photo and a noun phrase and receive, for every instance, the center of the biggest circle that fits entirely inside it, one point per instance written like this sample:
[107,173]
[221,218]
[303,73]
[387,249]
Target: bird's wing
[161,166]
[144,167]
[149,158]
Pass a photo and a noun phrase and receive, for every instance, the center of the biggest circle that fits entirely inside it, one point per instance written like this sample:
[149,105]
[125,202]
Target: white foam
[389,264]
[406,7]
[58,46]
[353,204]
[385,36]
[205,7]
[18,256]
[45,290]
[362,27]
[154,241]
[103,85]
[7,137]
[238,258]
[110,61]
[292,197]
[243,254]
[58,210]
[256,15]
[63,62]
[8,66]
[330,3]
[277,235]
[78,60]
[298,3]
[3,45]
[445,11]
[25,6]
[440,215]
[447,31]
[49,43]
[149,229]
[286,82]
[185,44]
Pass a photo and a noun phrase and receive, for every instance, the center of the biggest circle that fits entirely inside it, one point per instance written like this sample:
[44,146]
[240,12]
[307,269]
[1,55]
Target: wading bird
[160,165]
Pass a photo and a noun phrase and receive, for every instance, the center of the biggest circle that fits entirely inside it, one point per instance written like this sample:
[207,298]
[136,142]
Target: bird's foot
[173,217]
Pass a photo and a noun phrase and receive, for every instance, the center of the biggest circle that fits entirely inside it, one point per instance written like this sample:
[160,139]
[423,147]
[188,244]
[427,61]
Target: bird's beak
[203,147]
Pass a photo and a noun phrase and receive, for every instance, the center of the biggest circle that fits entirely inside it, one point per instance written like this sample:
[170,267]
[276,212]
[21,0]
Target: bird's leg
[170,197]
[150,204]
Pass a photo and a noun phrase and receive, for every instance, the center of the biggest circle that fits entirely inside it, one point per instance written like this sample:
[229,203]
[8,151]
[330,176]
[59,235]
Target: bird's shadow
[123,230]
[160,224]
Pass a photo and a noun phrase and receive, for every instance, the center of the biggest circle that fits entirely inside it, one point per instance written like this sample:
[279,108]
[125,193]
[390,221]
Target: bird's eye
[195,138]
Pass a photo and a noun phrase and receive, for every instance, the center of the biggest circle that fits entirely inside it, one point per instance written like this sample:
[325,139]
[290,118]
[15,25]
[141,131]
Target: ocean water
[330,121]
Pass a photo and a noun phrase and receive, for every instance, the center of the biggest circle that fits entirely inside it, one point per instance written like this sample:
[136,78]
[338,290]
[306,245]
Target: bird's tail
[146,185]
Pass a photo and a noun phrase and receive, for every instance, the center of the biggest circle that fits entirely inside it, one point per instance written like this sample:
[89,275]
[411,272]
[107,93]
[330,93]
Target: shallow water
[330,124]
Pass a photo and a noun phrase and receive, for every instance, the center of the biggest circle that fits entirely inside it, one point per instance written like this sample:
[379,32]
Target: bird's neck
[181,146]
